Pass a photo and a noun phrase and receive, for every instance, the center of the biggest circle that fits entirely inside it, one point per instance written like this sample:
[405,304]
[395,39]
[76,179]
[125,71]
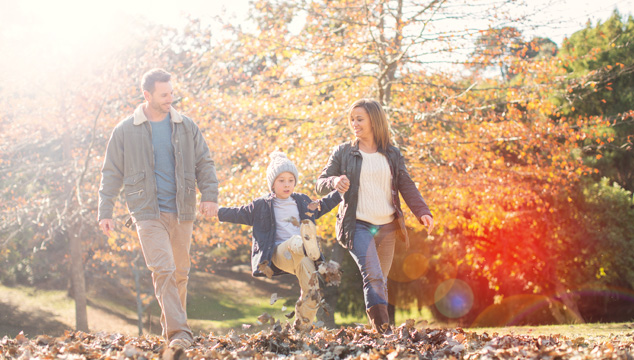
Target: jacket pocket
[190,192]
[135,192]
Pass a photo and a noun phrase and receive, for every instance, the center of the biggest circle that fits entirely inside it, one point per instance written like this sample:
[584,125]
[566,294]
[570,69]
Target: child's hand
[342,184]
[314,205]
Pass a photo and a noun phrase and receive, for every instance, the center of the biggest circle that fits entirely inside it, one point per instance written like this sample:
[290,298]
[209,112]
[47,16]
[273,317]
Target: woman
[371,172]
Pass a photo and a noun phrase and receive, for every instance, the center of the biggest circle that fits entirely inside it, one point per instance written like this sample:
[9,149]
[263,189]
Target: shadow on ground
[12,321]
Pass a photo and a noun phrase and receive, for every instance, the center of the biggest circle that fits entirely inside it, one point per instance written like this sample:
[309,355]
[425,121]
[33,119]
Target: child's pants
[289,256]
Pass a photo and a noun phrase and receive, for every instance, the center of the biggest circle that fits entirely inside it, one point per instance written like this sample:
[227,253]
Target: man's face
[161,98]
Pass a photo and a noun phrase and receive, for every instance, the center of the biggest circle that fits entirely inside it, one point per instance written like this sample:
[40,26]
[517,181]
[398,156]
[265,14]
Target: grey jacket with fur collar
[129,162]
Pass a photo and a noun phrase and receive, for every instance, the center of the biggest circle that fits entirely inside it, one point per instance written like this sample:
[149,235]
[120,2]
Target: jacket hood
[140,118]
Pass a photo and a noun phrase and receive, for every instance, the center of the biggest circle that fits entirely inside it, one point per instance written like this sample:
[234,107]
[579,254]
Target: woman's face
[360,124]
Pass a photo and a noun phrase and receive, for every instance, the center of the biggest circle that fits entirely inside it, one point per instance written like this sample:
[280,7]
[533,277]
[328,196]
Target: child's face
[284,185]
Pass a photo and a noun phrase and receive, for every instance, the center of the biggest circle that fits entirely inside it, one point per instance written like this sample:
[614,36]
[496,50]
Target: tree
[46,167]
[50,170]
[484,150]
[499,47]
[598,60]
[496,157]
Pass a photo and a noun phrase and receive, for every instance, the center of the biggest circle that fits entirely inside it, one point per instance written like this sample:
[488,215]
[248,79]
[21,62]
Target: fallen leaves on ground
[330,272]
[275,342]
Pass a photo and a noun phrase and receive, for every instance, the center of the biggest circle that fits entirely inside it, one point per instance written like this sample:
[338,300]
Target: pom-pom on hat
[279,163]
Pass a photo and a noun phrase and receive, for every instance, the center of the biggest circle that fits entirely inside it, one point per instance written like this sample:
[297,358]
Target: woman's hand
[342,184]
[427,221]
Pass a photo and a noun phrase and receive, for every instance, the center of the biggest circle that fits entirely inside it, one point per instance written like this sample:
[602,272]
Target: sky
[566,16]
[561,18]
[30,28]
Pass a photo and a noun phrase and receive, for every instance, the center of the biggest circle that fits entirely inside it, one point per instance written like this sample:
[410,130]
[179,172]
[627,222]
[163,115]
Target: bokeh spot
[453,298]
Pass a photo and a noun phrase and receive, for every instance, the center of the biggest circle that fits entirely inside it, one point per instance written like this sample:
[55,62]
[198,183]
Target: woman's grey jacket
[346,160]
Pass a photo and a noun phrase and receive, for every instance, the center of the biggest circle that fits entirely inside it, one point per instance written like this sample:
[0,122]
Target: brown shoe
[379,319]
[180,343]
[176,349]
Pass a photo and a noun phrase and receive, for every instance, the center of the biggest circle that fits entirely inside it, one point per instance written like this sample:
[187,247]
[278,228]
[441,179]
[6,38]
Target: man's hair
[153,76]
[378,119]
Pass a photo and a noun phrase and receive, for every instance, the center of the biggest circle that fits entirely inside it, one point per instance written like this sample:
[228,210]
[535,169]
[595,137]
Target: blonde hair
[378,120]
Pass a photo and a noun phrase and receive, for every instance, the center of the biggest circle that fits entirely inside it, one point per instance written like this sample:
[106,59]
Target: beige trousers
[165,243]
[289,256]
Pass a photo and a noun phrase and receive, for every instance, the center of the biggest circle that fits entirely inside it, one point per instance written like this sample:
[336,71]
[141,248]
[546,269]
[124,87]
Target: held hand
[427,221]
[209,209]
[314,205]
[106,226]
[342,184]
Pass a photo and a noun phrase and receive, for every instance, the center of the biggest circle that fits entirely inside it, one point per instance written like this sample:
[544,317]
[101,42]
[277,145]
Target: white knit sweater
[375,190]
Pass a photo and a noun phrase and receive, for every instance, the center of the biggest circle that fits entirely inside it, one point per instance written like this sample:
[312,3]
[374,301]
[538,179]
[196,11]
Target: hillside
[217,301]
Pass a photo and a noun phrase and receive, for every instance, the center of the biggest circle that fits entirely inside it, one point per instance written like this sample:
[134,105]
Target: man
[159,156]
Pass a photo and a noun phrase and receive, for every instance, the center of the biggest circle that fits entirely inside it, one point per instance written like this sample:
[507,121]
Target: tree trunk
[569,302]
[73,232]
[137,284]
[331,293]
[78,279]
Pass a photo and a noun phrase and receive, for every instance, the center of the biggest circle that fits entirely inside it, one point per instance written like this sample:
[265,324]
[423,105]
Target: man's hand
[209,209]
[342,184]
[427,221]
[106,226]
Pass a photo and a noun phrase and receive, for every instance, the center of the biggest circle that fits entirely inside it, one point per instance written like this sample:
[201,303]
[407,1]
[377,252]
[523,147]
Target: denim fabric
[373,251]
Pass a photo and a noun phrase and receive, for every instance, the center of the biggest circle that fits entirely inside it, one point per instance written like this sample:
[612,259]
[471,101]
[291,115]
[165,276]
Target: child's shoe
[309,237]
[302,325]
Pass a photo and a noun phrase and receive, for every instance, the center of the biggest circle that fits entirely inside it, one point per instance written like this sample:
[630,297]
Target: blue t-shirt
[164,168]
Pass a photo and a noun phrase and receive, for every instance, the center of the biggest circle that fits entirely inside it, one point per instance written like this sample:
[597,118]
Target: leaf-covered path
[280,342]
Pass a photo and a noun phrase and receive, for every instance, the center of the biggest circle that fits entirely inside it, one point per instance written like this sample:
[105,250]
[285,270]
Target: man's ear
[146,95]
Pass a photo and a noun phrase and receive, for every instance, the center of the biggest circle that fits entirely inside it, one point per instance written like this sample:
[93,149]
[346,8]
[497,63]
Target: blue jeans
[373,251]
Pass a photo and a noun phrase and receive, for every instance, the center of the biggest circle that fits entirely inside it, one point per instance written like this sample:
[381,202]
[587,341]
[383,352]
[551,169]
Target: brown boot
[379,319]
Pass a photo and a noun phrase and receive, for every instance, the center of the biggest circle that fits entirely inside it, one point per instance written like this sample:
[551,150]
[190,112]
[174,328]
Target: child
[280,245]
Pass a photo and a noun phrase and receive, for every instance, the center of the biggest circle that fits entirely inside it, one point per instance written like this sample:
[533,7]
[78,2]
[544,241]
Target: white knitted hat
[279,163]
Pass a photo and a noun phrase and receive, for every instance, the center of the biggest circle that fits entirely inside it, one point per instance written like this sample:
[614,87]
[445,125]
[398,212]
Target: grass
[602,330]
[217,303]
[34,312]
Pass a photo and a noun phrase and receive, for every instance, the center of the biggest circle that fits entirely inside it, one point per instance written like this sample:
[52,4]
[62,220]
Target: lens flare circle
[415,265]
[453,298]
